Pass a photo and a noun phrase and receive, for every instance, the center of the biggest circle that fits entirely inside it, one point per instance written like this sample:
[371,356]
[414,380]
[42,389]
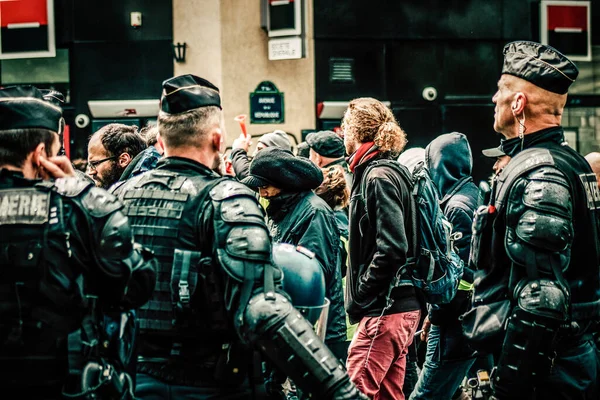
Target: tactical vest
[585,251]
[188,298]
[34,314]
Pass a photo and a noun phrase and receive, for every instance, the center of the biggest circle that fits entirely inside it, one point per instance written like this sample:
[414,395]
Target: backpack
[433,266]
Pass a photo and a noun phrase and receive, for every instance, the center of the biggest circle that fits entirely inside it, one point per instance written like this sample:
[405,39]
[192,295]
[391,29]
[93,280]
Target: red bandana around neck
[362,155]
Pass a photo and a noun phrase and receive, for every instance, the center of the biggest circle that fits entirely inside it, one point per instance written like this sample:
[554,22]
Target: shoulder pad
[114,189]
[230,188]
[99,203]
[72,186]
[525,161]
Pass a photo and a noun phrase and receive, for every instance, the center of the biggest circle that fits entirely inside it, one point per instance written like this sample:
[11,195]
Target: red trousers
[377,355]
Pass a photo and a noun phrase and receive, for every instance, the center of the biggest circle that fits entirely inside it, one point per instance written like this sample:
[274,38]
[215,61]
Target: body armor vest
[188,297]
[35,316]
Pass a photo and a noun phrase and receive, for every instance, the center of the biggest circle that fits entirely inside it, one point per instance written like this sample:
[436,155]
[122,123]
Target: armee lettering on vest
[24,206]
[592,193]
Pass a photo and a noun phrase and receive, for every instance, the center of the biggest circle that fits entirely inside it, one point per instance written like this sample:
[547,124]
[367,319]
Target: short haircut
[120,138]
[190,128]
[150,134]
[17,144]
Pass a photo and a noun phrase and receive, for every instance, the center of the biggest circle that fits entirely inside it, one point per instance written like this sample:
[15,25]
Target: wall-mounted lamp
[179,51]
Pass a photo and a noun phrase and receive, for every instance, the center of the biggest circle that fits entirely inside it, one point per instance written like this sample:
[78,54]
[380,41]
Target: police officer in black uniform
[538,250]
[218,294]
[61,242]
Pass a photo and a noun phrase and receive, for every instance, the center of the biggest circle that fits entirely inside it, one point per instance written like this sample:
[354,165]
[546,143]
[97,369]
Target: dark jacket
[60,241]
[378,243]
[240,162]
[304,219]
[450,163]
[144,161]
[341,218]
[449,160]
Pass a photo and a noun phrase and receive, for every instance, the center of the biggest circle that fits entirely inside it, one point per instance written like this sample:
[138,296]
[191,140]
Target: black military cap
[25,107]
[188,92]
[326,143]
[280,168]
[539,64]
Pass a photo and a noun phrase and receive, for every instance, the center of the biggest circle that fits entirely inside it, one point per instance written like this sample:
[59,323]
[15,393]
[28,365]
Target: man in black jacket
[538,239]
[110,151]
[218,297]
[63,242]
[300,217]
[449,161]
[378,247]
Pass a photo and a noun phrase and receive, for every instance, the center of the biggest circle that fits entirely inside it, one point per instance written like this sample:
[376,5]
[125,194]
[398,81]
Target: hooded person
[298,216]
[239,150]
[450,162]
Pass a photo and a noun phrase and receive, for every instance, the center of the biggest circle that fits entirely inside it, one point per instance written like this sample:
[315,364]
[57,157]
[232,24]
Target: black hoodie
[449,160]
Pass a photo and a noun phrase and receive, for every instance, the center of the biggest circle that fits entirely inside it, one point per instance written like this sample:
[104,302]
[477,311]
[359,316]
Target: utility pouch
[483,222]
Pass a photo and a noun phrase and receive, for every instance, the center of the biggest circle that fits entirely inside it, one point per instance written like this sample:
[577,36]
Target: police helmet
[303,279]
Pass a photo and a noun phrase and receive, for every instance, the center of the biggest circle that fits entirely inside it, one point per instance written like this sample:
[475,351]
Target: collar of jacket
[512,147]
[10,178]
[281,205]
[185,164]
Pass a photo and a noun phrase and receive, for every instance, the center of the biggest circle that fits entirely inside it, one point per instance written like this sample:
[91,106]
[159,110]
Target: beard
[109,177]
[219,165]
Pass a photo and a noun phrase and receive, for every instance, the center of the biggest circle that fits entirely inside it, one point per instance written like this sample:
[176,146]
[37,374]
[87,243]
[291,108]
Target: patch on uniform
[592,193]
[24,206]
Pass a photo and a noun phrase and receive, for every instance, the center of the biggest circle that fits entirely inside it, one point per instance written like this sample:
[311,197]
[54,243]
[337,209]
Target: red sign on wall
[27,29]
[566,26]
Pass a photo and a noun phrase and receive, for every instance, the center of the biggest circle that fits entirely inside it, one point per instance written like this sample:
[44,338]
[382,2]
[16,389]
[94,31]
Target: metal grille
[341,70]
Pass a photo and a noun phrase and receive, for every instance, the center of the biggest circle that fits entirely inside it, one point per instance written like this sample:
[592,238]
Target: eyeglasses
[92,165]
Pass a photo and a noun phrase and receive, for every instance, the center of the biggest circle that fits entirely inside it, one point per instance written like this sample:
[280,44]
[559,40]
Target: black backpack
[433,264]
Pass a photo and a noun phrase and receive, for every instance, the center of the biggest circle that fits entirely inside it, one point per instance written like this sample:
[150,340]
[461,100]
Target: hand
[242,142]
[56,167]
[426,329]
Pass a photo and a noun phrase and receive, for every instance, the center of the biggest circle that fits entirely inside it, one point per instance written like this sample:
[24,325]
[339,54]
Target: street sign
[266,104]
[289,48]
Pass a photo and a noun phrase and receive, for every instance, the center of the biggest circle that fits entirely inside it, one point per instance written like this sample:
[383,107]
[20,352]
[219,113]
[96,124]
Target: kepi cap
[188,92]
[542,65]
[25,107]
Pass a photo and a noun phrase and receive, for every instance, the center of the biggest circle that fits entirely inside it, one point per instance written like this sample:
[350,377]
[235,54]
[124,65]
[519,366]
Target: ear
[518,104]
[124,160]
[40,151]
[217,140]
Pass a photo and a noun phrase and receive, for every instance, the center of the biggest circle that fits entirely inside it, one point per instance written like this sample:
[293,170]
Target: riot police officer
[537,242]
[62,242]
[218,294]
